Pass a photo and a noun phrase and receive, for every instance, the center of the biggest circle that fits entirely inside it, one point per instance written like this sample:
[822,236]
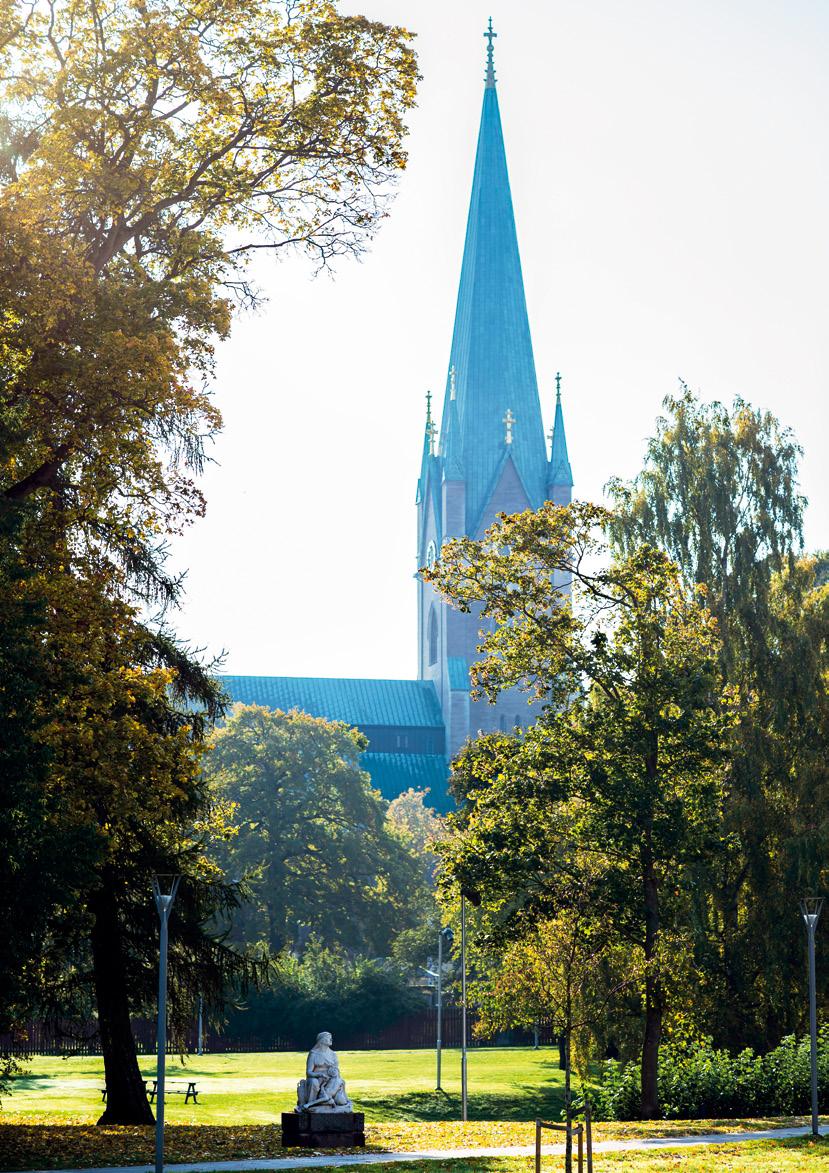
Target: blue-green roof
[392,773]
[491,347]
[407,703]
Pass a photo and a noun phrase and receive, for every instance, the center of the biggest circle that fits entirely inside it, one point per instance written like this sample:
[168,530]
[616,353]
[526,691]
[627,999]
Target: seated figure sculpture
[323,1089]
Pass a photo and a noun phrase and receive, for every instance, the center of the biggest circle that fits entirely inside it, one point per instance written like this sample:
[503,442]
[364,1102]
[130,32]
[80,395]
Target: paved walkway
[603,1146]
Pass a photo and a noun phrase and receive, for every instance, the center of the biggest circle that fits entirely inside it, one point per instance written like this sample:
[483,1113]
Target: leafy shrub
[697,1081]
[620,1092]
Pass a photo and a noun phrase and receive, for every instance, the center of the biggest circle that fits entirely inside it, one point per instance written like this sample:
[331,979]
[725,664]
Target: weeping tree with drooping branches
[719,493]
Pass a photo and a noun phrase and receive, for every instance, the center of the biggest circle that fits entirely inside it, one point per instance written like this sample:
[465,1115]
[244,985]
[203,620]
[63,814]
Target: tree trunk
[126,1096]
[654,999]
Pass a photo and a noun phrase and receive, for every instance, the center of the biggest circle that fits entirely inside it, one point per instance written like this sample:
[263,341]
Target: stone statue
[323,1089]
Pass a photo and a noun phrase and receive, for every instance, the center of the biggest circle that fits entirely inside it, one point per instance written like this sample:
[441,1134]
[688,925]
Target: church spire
[491,346]
[560,475]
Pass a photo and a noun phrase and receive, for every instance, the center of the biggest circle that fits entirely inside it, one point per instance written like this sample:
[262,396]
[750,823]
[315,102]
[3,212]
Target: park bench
[190,1092]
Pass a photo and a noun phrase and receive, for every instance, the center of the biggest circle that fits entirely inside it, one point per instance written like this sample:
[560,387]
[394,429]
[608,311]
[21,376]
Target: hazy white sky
[670,172]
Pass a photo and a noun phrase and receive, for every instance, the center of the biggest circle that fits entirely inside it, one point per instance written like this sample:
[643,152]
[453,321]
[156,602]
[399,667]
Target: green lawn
[48,1120]
[504,1084]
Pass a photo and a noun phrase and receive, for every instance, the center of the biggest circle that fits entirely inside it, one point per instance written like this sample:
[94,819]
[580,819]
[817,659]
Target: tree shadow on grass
[526,1102]
[28,1083]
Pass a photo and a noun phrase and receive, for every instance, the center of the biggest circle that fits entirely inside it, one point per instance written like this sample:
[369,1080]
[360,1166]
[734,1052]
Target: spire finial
[509,420]
[558,387]
[490,56]
[430,427]
[452,382]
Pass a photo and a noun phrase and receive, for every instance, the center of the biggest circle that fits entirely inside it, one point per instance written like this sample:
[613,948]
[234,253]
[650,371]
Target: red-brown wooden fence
[415,1031]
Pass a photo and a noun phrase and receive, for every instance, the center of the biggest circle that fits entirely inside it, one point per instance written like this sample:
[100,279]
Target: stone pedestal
[323,1130]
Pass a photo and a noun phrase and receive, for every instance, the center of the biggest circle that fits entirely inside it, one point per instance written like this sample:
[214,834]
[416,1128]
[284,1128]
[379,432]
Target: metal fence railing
[415,1031]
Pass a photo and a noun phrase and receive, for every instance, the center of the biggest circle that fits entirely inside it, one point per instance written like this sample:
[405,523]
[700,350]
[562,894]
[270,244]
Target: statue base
[323,1130]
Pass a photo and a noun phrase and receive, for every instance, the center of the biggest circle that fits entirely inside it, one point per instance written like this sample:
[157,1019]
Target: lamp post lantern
[810,909]
[164,904]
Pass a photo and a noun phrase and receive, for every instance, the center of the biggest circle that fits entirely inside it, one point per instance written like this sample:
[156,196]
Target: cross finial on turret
[452,382]
[431,430]
[558,387]
[509,420]
[490,56]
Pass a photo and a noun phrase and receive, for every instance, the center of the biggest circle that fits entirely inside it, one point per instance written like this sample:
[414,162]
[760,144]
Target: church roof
[492,351]
[392,773]
[407,703]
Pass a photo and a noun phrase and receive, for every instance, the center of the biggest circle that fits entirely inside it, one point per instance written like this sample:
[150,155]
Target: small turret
[452,440]
[560,475]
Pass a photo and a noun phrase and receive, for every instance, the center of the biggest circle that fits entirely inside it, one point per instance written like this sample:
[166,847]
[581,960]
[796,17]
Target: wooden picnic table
[190,1092]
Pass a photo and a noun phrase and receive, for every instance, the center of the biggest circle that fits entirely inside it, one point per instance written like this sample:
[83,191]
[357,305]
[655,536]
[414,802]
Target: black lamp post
[810,910]
[443,935]
[474,898]
[164,904]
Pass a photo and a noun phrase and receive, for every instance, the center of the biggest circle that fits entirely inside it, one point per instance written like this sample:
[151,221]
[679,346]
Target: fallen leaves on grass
[28,1143]
[411,1135]
[38,1146]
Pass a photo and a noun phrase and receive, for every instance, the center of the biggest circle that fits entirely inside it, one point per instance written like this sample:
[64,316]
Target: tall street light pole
[164,904]
[467,893]
[443,935]
[463,1009]
[810,909]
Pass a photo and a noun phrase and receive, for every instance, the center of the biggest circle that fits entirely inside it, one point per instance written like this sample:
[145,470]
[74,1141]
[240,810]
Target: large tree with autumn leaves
[147,149]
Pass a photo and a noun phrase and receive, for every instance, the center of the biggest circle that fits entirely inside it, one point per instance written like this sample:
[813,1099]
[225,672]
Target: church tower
[490,454]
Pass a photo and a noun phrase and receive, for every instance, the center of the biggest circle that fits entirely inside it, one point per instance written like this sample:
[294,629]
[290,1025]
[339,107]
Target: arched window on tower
[432,636]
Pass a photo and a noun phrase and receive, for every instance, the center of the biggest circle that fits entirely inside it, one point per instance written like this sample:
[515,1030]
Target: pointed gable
[507,494]
[491,347]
